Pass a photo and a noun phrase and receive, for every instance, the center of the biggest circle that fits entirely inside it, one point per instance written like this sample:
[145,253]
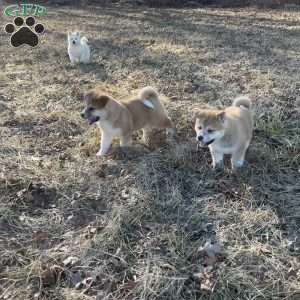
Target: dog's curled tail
[148,93]
[84,40]
[243,101]
[149,96]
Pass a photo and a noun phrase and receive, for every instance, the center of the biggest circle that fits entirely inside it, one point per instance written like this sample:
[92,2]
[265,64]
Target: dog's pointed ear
[96,97]
[86,96]
[196,114]
[83,96]
[221,116]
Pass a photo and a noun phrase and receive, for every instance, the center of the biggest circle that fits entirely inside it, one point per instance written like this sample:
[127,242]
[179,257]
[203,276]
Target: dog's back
[239,118]
[147,111]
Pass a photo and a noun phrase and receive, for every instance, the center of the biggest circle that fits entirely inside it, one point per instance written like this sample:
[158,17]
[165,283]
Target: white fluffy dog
[78,48]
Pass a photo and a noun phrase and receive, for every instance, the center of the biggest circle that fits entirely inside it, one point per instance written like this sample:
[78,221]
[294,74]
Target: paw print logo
[24,33]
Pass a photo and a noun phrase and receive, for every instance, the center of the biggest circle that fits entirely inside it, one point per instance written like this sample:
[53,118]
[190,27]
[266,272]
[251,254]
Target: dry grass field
[133,225]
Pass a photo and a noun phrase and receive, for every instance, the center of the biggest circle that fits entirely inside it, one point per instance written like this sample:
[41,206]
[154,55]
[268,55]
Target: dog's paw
[239,167]
[99,153]
[170,135]
[218,167]
[238,164]
[27,33]
[85,61]
[74,61]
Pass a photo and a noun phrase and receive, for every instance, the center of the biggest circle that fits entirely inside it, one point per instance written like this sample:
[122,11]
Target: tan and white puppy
[227,131]
[120,118]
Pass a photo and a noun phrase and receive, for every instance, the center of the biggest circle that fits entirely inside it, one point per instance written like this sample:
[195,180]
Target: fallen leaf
[88,281]
[128,286]
[125,194]
[209,260]
[292,273]
[48,278]
[50,275]
[168,266]
[40,236]
[211,249]
[75,278]
[70,261]
[208,285]
[79,285]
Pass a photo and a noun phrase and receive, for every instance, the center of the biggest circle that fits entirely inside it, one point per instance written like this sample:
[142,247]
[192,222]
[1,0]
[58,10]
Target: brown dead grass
[129,226]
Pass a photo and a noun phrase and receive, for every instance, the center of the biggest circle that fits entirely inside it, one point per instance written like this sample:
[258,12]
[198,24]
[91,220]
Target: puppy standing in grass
[227,131]
[78,48]
[121,118]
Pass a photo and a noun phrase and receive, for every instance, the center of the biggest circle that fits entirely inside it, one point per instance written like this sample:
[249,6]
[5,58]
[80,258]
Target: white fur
[78,48]
[107,134]
[148,92]
[242,102]
[148,103]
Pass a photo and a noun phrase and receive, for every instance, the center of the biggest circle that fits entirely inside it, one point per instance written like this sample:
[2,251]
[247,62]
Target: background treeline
[177,3]
[222,3]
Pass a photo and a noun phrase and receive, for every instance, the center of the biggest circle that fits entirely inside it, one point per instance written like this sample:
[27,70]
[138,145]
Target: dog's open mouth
[210,142]
[92,120]
[202,144]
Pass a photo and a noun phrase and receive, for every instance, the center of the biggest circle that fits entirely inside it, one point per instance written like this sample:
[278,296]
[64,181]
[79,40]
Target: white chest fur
[106,127]
[219,147]
[74,50]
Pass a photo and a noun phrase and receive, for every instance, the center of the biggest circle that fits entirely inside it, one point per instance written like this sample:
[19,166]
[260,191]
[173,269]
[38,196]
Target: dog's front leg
[217,158]
[146,135]
[74,60]
[106,140]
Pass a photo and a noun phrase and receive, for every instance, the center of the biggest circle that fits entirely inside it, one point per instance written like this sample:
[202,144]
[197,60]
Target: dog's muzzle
[201,144]
[92,120]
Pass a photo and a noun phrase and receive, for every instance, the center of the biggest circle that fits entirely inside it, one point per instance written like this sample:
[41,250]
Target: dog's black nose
[82,115]
[74,42]
[200,138]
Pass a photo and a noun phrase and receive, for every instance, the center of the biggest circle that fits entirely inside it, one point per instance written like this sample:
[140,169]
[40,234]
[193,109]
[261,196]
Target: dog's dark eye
[210,130]
[91,108]
[199,127]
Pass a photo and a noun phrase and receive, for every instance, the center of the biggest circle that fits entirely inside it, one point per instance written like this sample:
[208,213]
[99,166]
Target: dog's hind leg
[170,129]
[146,134]
[238,158]
[125,141]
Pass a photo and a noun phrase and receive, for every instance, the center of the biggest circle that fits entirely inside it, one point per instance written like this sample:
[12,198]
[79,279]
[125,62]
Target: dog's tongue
[90,122]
